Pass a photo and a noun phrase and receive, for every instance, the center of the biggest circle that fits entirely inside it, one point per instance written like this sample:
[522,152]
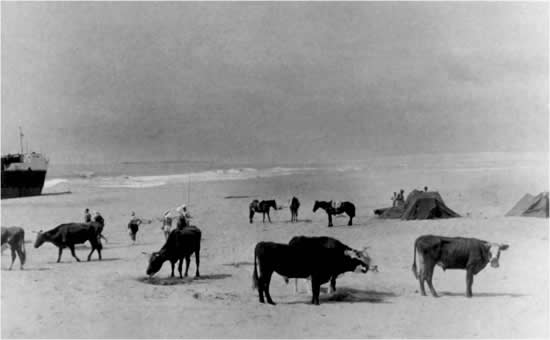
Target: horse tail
[413,268]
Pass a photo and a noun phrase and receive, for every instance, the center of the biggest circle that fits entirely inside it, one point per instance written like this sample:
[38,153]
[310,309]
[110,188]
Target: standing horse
[261,207]
[294,205]
[344,207]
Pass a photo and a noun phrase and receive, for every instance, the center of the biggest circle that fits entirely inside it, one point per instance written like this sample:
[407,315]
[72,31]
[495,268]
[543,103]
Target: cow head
[359,260]
[40,239]
[155,263]
[494,252]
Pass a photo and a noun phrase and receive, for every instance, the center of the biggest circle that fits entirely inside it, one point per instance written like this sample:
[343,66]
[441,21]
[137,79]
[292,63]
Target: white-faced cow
[67,235]
[181,243]
[453,253]
[309,260]
[14,237]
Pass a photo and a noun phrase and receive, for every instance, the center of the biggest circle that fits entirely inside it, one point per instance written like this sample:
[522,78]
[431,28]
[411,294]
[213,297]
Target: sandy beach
[113,298]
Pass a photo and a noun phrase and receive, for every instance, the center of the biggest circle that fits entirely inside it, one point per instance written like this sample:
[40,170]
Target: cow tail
[415,273]
[255,275]
[23,252]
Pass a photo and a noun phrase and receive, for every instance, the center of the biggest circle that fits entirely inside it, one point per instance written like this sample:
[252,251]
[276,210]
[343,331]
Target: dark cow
[179,245]
[307,260]
[325,242]
[453,253]
[15,238]
[68,234]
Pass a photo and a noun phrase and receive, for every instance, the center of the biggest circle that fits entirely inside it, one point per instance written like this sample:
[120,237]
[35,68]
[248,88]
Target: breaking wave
[53,182]
[204,176]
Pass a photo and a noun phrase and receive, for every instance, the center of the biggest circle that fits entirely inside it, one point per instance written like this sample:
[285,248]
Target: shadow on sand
[352,295]
[85,260]
[172,281]
[238,264]
[56,193]
[512,295]
[37,269]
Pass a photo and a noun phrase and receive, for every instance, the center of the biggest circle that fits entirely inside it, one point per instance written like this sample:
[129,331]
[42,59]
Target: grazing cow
[15,238]
[453,253]
[179,245]
[310,260]
[68,234]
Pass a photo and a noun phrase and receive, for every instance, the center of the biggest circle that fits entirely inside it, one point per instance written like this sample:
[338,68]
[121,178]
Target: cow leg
[266,281]
[173,264]
[180,265]
[421,273]
[13,256]
[315,290]
[251,215]
[350,221]
[469,282]
[91,252]
[187,260]
[59,254]
[197,263]
[71,247]
[429,275]
[329,219]
[261,288]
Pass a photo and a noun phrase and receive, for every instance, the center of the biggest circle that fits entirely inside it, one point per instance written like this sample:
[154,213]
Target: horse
[261,207]
[294,205]
[344,207]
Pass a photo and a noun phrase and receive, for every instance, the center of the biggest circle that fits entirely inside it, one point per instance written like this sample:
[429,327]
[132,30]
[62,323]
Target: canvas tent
[531,206]
[419,205]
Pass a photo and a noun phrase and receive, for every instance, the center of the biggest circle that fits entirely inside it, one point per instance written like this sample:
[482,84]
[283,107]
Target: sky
[273,82]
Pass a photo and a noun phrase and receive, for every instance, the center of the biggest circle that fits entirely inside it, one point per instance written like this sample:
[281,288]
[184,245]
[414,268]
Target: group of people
[399,199]
[182,220]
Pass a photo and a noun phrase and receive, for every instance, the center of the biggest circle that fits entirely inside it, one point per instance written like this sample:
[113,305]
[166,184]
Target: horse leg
[268,218]
[180,265]
[197,262]
[13,256]
[329,219]
[187,260]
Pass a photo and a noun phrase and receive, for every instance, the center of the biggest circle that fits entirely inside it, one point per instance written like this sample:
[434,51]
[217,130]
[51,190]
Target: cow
[181,243]
[305,242]
[310,260]
[14,237]
[453,253]
[68,234]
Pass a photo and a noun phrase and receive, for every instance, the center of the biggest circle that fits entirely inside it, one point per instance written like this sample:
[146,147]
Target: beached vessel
[23,174]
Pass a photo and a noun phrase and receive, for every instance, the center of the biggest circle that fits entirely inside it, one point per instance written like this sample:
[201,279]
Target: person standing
[183,218]
[166,224]
[87,216]
[133,226]
[101,224]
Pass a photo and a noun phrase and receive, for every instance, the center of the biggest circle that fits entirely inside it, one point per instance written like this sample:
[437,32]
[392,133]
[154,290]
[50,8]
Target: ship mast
[21,139]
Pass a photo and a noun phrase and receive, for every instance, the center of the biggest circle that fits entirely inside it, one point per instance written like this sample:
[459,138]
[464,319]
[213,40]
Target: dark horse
[344,207]
[294,205]
[262,207]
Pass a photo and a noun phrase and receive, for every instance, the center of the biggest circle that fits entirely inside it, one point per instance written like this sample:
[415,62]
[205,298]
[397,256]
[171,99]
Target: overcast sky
[279,82]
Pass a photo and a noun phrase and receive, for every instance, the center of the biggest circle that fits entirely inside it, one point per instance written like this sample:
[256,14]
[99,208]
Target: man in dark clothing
[101,223]
[87,216]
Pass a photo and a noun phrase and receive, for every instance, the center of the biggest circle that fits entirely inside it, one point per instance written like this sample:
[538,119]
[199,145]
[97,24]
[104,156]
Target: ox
[181,243]
[68,234]
[309,259]
[453,253]
[15,238]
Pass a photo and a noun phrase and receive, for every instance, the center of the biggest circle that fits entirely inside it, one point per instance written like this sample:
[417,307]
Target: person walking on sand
[87,216]
[183,218]
[133,226]
[101,224]
[400,200]
[394,198]
[166,223]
